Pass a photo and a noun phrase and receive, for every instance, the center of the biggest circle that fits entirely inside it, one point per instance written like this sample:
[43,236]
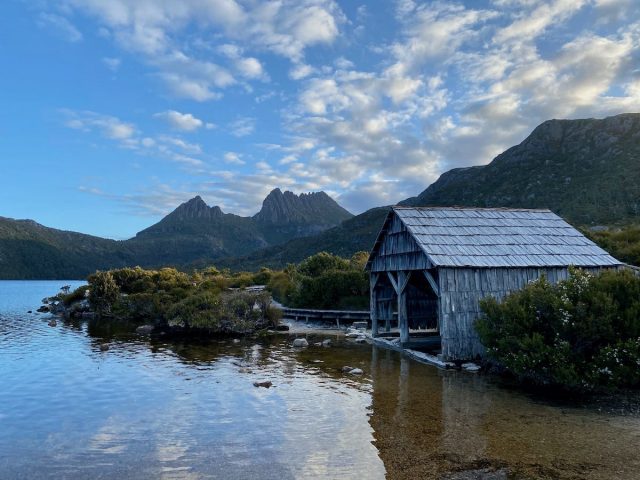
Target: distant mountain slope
[193,235]
[353,235]
[29,250]
[586,171]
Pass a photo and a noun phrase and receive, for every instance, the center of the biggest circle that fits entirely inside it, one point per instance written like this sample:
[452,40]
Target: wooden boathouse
[432,265]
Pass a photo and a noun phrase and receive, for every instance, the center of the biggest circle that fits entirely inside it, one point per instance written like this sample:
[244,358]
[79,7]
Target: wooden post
[373,303]
[403,320]
[388,314]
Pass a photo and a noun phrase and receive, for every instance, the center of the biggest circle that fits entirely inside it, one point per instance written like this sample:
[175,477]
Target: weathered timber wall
[398,250]
[461,290]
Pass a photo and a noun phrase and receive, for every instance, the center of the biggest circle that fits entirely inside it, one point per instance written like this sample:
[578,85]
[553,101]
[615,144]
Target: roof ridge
[458,207]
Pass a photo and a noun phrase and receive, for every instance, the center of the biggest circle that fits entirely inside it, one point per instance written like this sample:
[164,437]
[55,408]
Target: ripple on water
[184,410]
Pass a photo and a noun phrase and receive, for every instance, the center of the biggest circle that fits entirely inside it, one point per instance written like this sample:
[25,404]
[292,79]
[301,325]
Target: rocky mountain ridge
[192,235]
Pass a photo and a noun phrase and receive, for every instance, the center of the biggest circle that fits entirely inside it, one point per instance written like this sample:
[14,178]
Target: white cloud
[242,126]
[300,71]
[110,127]
[233,158]
[127,135]
[180,121]
[151,29]
[61,25]
[112,63]
[529,24]
[249,67]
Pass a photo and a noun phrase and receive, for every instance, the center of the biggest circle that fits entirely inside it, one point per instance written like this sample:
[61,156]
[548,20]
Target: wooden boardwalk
[337,316]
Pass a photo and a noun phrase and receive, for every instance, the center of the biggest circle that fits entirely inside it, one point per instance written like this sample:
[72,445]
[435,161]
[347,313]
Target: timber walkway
[337,316]
[345,317]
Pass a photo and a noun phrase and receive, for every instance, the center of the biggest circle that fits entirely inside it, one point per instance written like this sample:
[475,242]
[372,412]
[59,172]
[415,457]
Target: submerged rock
[327,343]
[265,384]
[52,322]
[361,340]
[352,370]
[144,329]
[471,367]
[481,474]
[300,343]
[104,347]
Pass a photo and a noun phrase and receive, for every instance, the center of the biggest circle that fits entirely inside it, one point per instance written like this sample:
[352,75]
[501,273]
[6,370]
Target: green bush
[231,312]
[77,295]
[582,333]
[103,292]
[622,243]
[320,263]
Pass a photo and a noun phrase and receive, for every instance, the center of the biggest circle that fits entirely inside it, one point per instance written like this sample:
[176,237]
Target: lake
[175,410]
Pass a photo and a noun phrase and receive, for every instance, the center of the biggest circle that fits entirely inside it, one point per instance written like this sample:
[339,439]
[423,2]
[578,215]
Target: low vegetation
[581,334]
[217,301]
[622,243]
[323,281]
[207,300]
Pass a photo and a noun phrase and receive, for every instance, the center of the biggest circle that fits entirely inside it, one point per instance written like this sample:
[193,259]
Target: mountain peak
[195,208]
[316,208]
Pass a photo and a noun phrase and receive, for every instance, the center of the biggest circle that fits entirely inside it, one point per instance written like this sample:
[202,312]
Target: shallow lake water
[177,410]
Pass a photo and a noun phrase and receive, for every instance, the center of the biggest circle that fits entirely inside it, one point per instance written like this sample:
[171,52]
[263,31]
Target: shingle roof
[498,237]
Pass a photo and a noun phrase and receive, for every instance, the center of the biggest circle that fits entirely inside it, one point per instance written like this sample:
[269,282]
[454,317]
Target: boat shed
[431,266]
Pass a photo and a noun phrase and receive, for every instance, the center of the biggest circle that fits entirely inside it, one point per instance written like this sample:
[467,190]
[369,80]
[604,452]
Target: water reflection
[435,422]
[188,410]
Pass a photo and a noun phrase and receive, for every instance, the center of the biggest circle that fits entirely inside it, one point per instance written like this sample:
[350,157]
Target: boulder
[361,340]
[43,309]
[52,322]
[353,334]
[282,328]
[265,384]
[355,371]
[300,343]
[359,325]
[327,342]
[144,329]
[104,347]
[346,369]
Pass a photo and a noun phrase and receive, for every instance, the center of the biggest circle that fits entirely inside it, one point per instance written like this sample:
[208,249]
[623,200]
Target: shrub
[103,293]
[77,295]
[230,312]
[282,286]
[582,333]
[321,263]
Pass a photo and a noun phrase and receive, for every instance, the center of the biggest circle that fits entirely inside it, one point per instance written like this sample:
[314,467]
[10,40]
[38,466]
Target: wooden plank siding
[399,251]
[461,290]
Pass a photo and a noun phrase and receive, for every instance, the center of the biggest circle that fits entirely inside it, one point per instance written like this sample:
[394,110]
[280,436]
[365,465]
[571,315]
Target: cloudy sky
[116,111]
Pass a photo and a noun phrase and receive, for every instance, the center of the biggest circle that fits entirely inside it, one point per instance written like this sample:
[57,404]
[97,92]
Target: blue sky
[116,111]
